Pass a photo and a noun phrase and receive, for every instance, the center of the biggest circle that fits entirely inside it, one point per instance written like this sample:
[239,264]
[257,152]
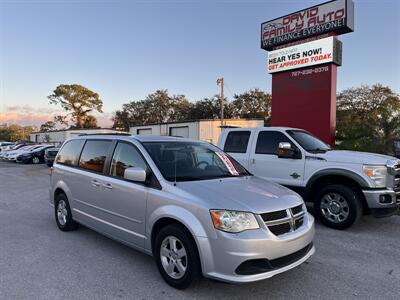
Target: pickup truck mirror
[135,174]
[285,150]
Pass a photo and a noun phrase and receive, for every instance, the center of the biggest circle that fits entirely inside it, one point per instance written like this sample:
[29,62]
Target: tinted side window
[268,142]
[68,155]
[94,155]
[125,156]
[236,141]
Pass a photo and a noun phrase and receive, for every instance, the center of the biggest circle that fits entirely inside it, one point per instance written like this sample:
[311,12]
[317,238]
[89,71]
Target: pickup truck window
[268,142]
[309,142]
[237,141]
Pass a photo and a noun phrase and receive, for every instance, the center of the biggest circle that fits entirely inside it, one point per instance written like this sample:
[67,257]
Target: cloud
[28,115]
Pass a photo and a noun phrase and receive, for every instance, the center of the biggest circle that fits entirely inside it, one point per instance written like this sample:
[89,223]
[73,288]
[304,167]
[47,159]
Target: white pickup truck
[343,185]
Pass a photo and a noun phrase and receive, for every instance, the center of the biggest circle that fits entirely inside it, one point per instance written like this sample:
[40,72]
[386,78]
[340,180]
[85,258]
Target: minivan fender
[61,185]
[179,214]
[192,223]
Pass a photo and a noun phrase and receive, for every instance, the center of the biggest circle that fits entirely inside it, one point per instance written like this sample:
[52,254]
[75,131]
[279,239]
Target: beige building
[205,130]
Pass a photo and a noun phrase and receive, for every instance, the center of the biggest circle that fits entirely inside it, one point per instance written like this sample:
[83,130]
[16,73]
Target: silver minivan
[186,202]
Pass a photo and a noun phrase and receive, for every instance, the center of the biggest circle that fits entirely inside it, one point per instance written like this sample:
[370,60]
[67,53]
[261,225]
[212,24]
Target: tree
[252,104]
[14,133]
[157,107]
[48,126]
[210,108]
[368,118]
[90,122]
[62,120]
[77,100]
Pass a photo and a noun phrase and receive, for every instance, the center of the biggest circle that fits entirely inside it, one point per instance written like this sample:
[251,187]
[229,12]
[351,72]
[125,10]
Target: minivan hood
[355,157]
[242,193]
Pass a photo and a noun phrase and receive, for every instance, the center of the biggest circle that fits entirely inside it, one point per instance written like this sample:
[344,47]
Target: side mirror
[285,150]
[135,174]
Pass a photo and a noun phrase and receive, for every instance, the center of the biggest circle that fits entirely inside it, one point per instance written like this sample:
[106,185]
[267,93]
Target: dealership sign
[327,50]
[334,16]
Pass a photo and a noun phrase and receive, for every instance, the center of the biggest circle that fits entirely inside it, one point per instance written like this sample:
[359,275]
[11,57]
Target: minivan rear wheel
[63,214]
[176,256]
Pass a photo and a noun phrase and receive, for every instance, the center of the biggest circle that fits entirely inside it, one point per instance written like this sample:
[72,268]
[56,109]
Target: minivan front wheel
[176,256]
[63,214]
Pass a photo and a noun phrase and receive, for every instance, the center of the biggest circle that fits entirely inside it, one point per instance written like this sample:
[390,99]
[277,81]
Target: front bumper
[49,159]
[23,159]
[221,257]
[382,202]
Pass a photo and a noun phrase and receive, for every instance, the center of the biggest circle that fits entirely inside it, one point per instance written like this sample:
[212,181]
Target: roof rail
[110,133]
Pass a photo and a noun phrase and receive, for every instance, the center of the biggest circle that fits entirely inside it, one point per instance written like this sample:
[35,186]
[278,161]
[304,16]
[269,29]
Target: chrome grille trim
[294,220]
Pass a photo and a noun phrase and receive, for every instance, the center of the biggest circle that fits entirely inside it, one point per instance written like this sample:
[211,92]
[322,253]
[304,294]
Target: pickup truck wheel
[338,206]
[176,256]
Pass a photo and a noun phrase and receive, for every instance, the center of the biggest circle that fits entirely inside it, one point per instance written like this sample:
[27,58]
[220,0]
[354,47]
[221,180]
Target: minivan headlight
[233,221]
[377,173]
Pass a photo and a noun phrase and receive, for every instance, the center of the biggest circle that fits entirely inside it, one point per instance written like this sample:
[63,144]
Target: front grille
[297,209]
[257,266]
[396,186]
[299,223]
[280,229]
[51,153]
[284,221]
[275,215]
[291,258]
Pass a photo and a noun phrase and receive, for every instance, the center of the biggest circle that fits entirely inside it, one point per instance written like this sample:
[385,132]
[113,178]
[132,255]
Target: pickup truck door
[237,144]
[265,163]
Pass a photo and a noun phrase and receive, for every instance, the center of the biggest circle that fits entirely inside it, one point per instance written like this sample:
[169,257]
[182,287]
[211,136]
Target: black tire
[346,201]
[193,268]
[69,224]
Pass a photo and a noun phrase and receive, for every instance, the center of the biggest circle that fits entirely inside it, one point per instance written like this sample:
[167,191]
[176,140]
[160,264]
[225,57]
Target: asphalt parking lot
[37,261]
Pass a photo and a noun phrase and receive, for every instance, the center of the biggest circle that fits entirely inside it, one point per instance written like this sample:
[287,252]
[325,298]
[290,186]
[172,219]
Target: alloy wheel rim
[62,212]
[335,207]
[35,160]
[173,257]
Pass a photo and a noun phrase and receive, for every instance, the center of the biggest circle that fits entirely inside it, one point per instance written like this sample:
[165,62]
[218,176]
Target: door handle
[253,160]
[108,186]
[95,182]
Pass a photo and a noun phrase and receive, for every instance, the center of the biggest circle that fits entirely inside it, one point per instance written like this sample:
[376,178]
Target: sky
[126,49]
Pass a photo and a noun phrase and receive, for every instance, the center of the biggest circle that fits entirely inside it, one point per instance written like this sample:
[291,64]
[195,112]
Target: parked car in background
[192,206]
[12,147]
[12,155]
[3,145]
[342,184]
[49,155]
[34,155]
[17,149]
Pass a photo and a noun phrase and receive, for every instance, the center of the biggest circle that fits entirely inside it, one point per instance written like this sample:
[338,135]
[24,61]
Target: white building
[59,136]
[206,130]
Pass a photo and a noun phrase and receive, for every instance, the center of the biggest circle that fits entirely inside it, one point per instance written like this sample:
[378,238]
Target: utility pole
[220,82]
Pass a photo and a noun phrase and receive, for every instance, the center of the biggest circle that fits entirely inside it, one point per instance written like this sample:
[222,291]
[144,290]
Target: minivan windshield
[188,161]
[309,142]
